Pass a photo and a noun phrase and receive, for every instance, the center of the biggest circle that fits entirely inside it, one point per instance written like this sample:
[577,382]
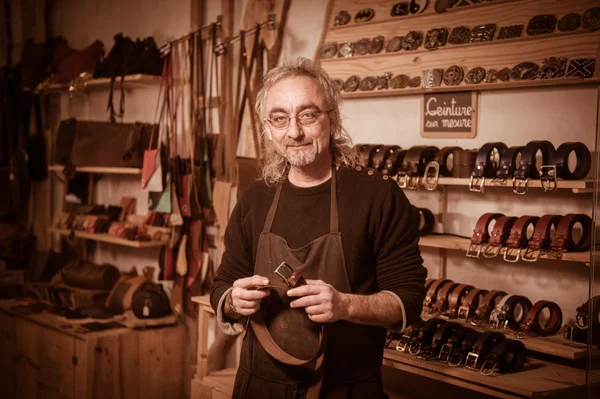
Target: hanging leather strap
[541,237]
[485,165]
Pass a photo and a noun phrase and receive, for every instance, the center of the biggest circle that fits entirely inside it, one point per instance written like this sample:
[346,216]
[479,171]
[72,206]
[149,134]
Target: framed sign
[449,115]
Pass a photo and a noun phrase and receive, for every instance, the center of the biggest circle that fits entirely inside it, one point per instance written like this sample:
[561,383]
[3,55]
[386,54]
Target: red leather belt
[393,162]
[453,343]
[481,233]
[500,234]
[485,165]
[527,166]
[531,323]
[413,166]
[482,347]
[470,302]
[540,241]
[380,154]
[563,242]
[487,304]
[508,164]
[508,356]
[432,292]
[517,240]
[463,163]
[438,167]
[424,220]
[455,298]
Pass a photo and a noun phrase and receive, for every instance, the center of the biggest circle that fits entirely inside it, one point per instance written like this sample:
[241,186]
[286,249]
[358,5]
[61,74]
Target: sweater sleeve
[399,264]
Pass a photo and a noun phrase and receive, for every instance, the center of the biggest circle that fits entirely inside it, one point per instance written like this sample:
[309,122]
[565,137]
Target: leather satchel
[83,274]
[150,301]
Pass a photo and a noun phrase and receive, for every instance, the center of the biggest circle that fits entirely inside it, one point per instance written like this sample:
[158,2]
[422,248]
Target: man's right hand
[245,298]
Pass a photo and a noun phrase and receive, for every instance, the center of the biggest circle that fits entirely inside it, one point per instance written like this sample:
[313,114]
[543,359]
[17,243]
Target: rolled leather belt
[432,292]
[425,335]
[409,335]
[365,152]
[463,348]
[413,166]
[499,235]
[508,164]
[424,220]
[482,347]
[505,311]
[563,242]
[470,302]
[380,154]
[454,300]
[517,240]
[441,302]
[527,166]
[393,162]
[508,356]
[481,233]
[453,342]
[531,322]
[485,166]
[463,162]
[438,167]
[540,241]
[440,337]
[486,305]
[561,161]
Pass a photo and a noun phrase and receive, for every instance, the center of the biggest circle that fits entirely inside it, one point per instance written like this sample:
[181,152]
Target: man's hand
[323,303]
[245,298]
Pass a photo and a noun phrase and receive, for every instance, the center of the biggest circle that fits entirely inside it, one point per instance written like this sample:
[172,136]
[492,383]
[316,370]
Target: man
[359,251]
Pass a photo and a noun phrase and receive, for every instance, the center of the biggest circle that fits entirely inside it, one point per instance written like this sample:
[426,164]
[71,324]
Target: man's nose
[294,129]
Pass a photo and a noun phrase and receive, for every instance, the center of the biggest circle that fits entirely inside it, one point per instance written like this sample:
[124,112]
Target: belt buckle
[548,180]
[471,361]
[463,313]
[499,181]
[425,355]
[486,369]
[476,184]
[456,359]
[414,351]
[474,251]
[430,182]
[445,353]
[490,251]
[509,257]
[520,186]
[285,272]
[402,343]
[531,255]
[557,254]
[413,182]
[402,180]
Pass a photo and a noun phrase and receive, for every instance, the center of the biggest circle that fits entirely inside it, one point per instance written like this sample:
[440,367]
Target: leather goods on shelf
[455,299]
[486,165]
[366,151]
[531,323]
[441,303]
[121,294]
[425,335]
[498,237]
[587,315]
[517,240]
[413,166]
[393,162]
[463,348]
[504,314]
[453,343]
[508,356]
[409,336]
[380,155]
[443,332]
[508,164]
[486,306]
[561,161]
[424,220]
[482,347]
[84,274]
[432,293]
[78,61]
[150,301]
[463,163]
[438,167]
[540,241]
[470,302]
[481,233]
[564,242]
[527,165]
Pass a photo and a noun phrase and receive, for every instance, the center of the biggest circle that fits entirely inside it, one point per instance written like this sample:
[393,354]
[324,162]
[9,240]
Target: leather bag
[84,274]
[79,61]
[150,302]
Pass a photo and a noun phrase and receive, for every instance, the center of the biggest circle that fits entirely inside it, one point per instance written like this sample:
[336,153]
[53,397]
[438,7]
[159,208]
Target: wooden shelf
[107,238]
[578,186]
[98,169]
[138,80]
[538,378]
[462,244]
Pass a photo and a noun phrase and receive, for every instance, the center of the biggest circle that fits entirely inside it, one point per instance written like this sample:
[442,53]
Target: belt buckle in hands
[413,182]
[430,181]
[471,361]
[445,353]
[474,250]
[402,343]
[510,256]
[488,367]
[476,184]
[548,178]
[520,186]
[291,278]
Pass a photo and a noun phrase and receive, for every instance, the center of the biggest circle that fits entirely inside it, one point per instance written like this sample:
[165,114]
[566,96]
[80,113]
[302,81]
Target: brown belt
[505,314]
[413,166]
[380,154]
[487,304]
[432,292]
[441,300]
[540,241]
[485,165]
[463,163]
[481,233]
[393,162]
[470,302]
[438,167]
[508,164]
[517,240]
[499,235]
[455,298]
[563,242]
[531,322]
[527,166]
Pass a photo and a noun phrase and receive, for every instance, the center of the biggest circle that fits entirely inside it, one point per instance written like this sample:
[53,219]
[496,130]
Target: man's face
[299,97]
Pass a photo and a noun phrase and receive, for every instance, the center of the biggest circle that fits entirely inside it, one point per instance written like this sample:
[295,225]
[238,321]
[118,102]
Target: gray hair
[275,167]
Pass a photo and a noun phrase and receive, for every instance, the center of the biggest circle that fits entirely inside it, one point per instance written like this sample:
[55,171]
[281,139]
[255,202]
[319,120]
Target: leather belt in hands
[563,242]
[470,302]
[379,156]
[508,164]
[440,337]
[504,314]
[540,241]
[481,233]
[485,165]
[410,334]
[463,163]
[508,356]
[393,162]
[482,347]
[365,152]
[486,305]
[453,342]
[432,293]
[424,220]
[413,166]
[455,299]
[425,335]
[527,166]
[499,235]
[463,348]
[531,323]
[517,240]
[438,167]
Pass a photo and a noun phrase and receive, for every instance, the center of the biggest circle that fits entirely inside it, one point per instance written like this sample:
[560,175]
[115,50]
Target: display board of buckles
[393,47]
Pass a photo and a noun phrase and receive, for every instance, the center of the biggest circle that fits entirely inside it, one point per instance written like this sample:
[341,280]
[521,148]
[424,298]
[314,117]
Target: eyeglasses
[306,118]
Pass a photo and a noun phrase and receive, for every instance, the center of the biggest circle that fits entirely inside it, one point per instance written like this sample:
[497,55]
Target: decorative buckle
[476,184]
[486,369]
[463,313]
[402,343]
[471,362]
[509,257]
[520,186]
[490,251]
[474,251]
[445,353]
[455,359]
[531,255]
[402,180]
[413,182]
[548,179]
[411,347]
[430,181]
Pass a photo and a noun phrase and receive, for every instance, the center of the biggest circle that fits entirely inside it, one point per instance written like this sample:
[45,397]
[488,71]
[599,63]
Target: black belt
[579,332]
[482,347]
[393,162]
[410,335]
[366,151]
[561,161]
[425,335]
[527,166]
[438,167]
[414,164]
[424,220]
[485,166]
[508,356]
[379,156]
[440,337]
[463,348]
[505,316]
[453,342]
[508,164]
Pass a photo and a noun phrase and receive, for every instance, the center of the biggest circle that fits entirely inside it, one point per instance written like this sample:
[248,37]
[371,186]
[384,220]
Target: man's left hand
[322,302]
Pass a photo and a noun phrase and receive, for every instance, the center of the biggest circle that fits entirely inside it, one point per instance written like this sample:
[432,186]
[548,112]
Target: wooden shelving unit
[577,186]
[138,80]
[98,169]
[107,238]
[462,244]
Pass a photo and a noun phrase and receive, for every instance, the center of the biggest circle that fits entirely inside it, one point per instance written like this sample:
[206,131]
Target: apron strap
[271,214]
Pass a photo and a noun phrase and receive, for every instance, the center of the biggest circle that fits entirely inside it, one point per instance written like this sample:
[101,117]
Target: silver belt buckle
[402,343]
[520,186]
[445,353]
[430,182]
[474,250]
[463,313]
[548,180]
[471,361]
[476,184]
[510,257]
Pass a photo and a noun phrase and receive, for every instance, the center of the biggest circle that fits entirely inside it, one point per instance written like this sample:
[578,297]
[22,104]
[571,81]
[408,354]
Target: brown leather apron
[259,375]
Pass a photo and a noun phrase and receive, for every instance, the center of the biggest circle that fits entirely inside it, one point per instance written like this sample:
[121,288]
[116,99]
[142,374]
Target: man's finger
[305,290]
[315,310]
[253,282]
[250,295]
[315,282]
[309,300]
[241,304]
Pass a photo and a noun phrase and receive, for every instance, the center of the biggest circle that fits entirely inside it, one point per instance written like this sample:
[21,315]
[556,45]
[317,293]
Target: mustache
[294,143]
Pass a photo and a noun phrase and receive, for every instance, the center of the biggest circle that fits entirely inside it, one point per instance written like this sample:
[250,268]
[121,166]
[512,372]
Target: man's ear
[267,133]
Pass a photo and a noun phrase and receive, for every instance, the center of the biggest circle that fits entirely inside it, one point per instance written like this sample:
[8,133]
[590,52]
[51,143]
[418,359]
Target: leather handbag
[121,295]
[84,274]
[150,302]
[160,201]
[79,61]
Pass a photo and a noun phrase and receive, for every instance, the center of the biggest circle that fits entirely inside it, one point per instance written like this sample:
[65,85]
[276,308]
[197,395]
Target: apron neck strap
[334,218]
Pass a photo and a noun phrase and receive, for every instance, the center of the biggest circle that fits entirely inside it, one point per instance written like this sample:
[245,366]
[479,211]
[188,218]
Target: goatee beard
[300,158]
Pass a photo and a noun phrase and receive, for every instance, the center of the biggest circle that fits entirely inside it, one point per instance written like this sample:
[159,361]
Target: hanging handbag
[150,302]
[161,201]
